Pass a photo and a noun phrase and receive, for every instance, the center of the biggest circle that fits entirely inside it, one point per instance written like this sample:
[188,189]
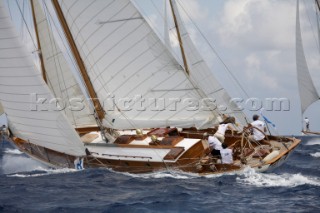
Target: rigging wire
[58,66]
[213,49]
[177,56]
[67,48]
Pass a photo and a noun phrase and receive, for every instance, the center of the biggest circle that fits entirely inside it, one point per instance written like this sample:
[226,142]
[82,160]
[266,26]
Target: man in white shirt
[258,125]
[215,145]
[226,155]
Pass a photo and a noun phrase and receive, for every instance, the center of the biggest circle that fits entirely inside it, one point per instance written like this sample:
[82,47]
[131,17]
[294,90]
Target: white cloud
[258,24]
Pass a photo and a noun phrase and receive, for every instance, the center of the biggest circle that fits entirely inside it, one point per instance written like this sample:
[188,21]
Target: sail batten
[307,91]
[36,124]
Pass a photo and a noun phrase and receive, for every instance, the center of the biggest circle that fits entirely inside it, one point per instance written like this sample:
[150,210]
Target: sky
[252,41]
[255,40]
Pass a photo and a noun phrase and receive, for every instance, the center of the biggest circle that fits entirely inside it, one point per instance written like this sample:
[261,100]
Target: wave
[12,151]
[312,142]
[250,177]
[19,163]
[316,155]
[43,172]
[163,174]
[175,174]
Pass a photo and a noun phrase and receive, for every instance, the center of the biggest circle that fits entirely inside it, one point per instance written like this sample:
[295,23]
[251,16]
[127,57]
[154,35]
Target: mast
[180,39]
[43,70]
[96,103]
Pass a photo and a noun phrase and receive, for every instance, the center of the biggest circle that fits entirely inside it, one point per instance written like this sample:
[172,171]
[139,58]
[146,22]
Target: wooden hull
[193,159]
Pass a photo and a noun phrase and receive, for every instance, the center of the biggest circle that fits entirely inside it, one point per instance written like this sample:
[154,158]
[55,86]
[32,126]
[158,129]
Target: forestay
[19,82]
[128,63]
[60,78]
[307,90]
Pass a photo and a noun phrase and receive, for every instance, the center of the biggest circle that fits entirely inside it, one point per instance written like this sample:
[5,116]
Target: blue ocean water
[28,186]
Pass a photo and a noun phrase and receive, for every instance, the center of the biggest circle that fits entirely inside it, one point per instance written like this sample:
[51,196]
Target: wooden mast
[43,70]
[180,39]
[97,105]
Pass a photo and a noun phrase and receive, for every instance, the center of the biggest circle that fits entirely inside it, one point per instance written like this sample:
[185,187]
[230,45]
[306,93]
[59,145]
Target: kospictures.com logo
[139,103]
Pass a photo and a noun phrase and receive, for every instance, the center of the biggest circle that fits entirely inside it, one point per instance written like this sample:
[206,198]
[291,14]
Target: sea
[29,186]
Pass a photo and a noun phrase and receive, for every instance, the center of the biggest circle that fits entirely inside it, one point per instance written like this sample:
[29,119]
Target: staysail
[139,81]
[22,94]
[203,76]
[59,76]
[307,90]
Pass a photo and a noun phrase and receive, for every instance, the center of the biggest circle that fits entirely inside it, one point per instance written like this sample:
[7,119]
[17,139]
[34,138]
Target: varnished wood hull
[190,161]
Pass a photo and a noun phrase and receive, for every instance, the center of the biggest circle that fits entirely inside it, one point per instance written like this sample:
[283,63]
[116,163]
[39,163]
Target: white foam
[313,142]
[12,151]
[19,163]
[46,172]
[274,180]
[165,174]
[316,155]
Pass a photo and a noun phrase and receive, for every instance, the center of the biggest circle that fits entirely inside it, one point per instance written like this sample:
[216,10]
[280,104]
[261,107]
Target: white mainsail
[21,85]
[59,75]
[126,60]
[307,90]
[203,76]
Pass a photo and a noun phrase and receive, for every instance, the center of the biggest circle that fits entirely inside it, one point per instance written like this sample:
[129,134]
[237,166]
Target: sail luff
[307,90]
[318,21]
[96,103]
[43,70]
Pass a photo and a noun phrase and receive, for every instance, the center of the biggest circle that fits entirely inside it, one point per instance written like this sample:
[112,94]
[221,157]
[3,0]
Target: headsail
[59,75]
[128,63]
[21,85]
[203,76]
[307,90]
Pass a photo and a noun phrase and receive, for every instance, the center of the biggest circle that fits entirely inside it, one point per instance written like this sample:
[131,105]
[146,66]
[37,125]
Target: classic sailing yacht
[147,111]
[307,91]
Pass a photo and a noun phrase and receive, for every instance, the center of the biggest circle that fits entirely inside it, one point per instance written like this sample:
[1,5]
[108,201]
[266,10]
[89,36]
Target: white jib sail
[128,63]
[21,88]
[203,76]
[307,90]
[59,75]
